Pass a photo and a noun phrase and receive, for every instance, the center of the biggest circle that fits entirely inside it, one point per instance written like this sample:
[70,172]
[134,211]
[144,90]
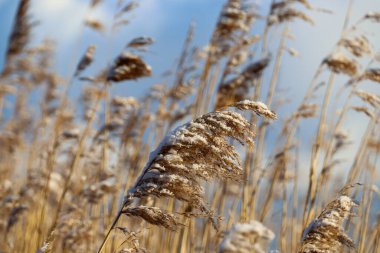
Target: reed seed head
[128,67]
[196,151]
[326,233]
[338,62]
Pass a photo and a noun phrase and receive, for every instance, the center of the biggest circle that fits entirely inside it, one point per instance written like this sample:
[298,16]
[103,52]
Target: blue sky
[167,22]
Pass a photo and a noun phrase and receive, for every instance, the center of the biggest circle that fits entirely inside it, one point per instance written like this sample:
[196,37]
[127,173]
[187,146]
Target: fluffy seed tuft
[128,67]
[251,237]
[326,233]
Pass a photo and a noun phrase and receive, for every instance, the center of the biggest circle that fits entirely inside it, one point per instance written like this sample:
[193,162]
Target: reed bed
[191,166]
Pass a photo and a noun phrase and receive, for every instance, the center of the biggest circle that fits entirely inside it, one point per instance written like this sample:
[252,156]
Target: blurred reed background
[244,143]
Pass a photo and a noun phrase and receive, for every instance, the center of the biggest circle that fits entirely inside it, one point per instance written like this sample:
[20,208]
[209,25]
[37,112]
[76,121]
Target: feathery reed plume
[172,171]
[118,17]
[364,110]
[252,237]
[282,4]
[305,3]
[74,158]
[140,42]
[132,240]
[326,233]
[20,34]
[73,133]
[288,14]
[278,5]
[341,140]
[95,3]
[128,67]
[307,110]
[338,62]
[86,59]
[292,51]
[231,19]
[122,109]
[21,30]
[373,16]
[94,24]
[237,88]
[358,46]
[257,107]
[153,215]
[371,74]
[127,8]
[196,151]
[368,97]
[234,19]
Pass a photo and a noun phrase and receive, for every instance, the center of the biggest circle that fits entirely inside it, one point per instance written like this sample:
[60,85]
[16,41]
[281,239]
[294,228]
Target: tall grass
[188,167]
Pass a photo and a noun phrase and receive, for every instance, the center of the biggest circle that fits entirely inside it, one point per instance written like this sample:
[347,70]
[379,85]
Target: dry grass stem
[180,162]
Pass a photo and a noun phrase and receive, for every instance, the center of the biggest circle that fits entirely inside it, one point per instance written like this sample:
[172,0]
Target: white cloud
[61,19]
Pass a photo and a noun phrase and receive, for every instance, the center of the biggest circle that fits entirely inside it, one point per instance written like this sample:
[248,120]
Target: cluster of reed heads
[187,167]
